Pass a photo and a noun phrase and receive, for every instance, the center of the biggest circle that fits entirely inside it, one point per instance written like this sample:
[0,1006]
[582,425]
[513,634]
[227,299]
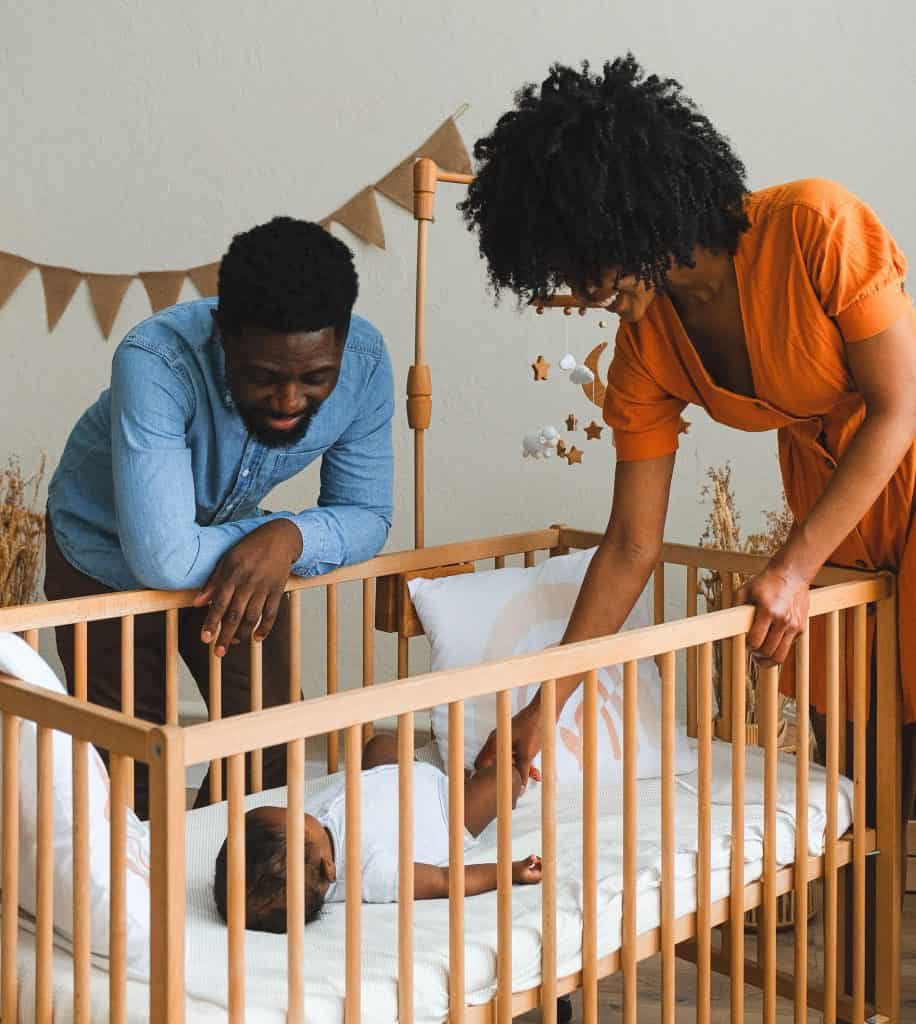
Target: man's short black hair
[287,275]
[265,879]
[592,172]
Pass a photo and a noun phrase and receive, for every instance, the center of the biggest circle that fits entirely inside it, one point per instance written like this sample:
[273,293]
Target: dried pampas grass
[22,530]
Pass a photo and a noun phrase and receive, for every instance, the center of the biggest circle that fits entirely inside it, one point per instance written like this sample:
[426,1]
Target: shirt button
[828,462]
[861,564]
[760,405]
[245,472]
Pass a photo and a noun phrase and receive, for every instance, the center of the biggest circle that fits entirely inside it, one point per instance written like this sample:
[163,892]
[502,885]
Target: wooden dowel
[82,910]
[368,645]
[691,652]
[295,646]
[704,836]
[216,713]
[727,660]
[769,685]
[500,561]
[256,679]
[456,992]
[630,832]
[31,638]
[333,681]
[802,761]
[127,691]
[668,823]
[504,858]
[405,865]
[419,494]
[44,880]
[235,880]
[9,980]
[171,666]
[403,657]
[80,687]
[736,899]
[658,593]
[529,559]
[859,715]
[549,853]
[295,882]
[590,850]
[117,920]
[830,849]
[354,875]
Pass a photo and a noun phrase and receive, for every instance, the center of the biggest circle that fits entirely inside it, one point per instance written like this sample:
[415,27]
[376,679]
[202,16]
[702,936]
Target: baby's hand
[527,871]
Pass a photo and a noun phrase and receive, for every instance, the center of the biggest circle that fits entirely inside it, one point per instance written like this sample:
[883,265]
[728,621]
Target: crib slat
[354,875]
[456,993]
[171,666]
[630,829]
[860,713]
[769,684]
[504,858]
[216,713]
[667,892]
[235,876]
[31,638]
[117,921]
[728,657]
[295,882]
[368,645]
[81,906]
[830,865]
[499,562]
[127,691]
[658,593]
[590,849]
[256,681]
[403,657]
[549,853]
[295,646]
[802,758]
[44,880]
[704,833]
[692,652]
[736,900]
[529,559]
[333,680]
[9,981]
[405,865]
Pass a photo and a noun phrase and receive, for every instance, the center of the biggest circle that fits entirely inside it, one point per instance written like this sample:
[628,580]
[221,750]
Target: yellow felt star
[571,422]
[593,431]
[573,455]
[540,367]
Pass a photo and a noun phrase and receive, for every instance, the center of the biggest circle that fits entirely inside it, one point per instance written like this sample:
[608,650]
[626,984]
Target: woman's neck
[710,276]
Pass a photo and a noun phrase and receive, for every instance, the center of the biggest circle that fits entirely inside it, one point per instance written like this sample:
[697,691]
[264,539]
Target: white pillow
[487,616]
[19,660]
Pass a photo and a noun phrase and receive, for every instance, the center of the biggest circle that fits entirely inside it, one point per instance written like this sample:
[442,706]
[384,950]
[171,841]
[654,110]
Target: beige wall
[142,136]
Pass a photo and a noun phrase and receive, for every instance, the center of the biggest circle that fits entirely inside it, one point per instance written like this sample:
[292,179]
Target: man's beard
[277,438]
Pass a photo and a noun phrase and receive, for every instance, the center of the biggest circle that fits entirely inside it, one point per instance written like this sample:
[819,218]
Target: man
[211,405]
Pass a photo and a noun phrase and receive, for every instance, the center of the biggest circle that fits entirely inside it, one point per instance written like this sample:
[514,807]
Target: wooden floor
[611,989]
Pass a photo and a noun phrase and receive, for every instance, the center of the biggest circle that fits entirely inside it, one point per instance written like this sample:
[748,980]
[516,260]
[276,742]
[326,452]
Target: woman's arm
[431,882]
[884,371]
[625,559]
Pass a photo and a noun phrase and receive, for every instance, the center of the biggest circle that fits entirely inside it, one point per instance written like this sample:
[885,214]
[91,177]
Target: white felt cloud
[540,443]
[568,362]
[581,375]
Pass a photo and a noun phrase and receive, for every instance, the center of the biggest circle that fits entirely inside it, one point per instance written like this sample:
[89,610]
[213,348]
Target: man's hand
[781,598]
[246,586]
[526,744]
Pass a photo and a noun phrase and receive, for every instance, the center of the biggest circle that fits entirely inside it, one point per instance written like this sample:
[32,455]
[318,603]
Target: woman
[780,309]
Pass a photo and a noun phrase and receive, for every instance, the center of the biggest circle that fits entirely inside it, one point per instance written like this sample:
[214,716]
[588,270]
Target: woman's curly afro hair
[591,172]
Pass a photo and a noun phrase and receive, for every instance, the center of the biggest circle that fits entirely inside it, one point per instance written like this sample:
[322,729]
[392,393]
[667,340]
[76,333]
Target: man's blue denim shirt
[160,477]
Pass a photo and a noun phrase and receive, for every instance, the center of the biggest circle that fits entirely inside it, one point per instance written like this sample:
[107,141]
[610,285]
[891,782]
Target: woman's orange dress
[816,271]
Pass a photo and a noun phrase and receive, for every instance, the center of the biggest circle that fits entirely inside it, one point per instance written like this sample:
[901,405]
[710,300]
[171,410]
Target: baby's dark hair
[287,275]
[265,879]
[593,172]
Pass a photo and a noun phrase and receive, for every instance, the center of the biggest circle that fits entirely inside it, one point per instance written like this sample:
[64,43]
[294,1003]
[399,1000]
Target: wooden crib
[170,749]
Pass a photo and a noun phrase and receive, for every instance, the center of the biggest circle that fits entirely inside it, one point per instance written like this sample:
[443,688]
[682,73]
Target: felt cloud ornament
[540,443]
[568,362]
[581,375]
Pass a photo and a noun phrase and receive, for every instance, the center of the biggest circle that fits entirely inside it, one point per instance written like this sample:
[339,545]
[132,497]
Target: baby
[325,836]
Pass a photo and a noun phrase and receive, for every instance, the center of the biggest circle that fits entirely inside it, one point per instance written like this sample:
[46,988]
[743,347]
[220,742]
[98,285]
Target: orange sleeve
[855,266]
[645,419]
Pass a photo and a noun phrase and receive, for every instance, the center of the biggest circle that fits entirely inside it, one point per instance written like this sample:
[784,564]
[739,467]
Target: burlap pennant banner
[360,215]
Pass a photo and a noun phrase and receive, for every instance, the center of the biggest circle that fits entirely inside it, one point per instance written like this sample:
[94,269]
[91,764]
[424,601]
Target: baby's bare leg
[480,798]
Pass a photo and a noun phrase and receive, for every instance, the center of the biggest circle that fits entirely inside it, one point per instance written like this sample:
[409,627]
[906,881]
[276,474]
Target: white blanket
[324,943]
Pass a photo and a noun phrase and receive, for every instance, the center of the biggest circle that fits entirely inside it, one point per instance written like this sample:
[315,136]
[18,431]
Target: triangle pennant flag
[206,279]
[445,146]
[12,273]
[107,292]
[361,217]
[59,284]
[163,287]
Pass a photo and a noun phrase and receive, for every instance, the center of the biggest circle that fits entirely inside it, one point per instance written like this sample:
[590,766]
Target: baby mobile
[545,442]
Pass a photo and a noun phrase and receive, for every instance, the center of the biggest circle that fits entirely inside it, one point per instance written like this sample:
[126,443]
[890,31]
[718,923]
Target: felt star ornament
[593,431]
[561,449]
[573,456]
[571,422]
[684,426]
[540,367]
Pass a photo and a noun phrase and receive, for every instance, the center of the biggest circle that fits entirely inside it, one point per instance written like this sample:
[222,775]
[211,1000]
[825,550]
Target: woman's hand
[526,744]
[781,597]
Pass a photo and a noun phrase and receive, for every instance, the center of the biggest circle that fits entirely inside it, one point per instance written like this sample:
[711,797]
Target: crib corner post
[561,547]
[889,812]
[167,874]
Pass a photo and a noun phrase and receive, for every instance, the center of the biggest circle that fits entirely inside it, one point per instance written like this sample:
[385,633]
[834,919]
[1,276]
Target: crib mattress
[265,955]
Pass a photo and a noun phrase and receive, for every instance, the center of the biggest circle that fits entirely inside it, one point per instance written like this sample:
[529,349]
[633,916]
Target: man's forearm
[338,535]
